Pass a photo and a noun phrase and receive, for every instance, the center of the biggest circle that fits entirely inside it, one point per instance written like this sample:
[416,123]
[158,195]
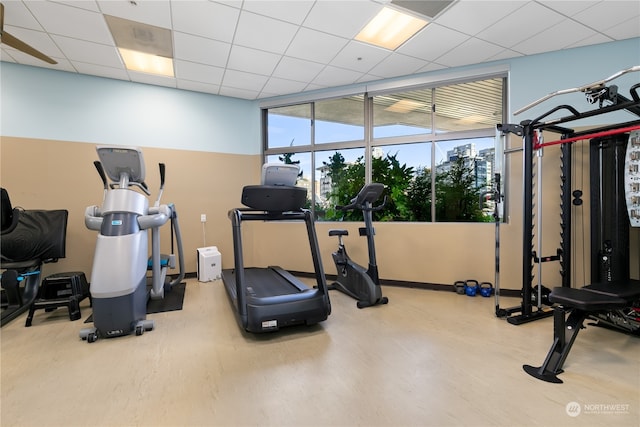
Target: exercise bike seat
[335,232]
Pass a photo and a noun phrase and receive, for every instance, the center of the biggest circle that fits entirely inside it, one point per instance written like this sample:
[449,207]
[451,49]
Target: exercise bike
[353,279]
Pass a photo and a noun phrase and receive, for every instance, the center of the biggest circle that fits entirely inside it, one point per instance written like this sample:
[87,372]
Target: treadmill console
[278,191]
[280,174]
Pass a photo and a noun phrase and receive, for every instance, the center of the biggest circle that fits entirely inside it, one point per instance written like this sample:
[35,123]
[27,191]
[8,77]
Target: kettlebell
[458,287]
[486,289]
[471,288]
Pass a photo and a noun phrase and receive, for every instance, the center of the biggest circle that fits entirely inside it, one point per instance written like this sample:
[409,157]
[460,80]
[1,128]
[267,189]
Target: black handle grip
[162,169]
[100,170]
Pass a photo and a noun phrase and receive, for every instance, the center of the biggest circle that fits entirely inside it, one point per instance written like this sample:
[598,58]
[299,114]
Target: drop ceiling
[260,49]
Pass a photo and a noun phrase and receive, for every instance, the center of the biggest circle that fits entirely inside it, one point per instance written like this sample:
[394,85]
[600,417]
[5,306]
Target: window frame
[369,143]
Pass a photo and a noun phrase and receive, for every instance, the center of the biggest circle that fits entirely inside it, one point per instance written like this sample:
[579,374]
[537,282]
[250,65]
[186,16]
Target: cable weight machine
[609,101]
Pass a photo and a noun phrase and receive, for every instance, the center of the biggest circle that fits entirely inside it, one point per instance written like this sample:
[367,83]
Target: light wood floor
[429,358]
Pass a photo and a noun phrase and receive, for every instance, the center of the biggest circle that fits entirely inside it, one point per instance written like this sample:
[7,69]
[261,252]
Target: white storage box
[209,264]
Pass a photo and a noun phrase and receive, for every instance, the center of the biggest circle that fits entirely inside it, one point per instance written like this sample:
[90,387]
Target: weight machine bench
[574,306]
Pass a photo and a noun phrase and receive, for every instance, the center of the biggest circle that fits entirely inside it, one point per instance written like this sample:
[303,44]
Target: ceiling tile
[152,79]
[290,11]
[397,64]
[17,14]
[315,46]
[342,18]
[273,35]
[625,30]
[471,17]
[334,76]
[12,55]
[37,39]
[198,87]
[71,22]
[595,39]
[252,60]
[198,72]
[238,93]
[205,19]
[243,80]
[92,53]
[505,54]
[368,78]
[511,31]
[557,37]
[606,14]
[433,66]
[277,86]
[156,12]
[568,7]
[473,51]
[199,49]
[359,56]
[432,42]
[297,69]
[90,5]
[101,71]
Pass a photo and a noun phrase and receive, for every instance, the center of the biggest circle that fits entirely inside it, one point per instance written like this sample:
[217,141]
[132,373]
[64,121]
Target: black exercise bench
[579,304]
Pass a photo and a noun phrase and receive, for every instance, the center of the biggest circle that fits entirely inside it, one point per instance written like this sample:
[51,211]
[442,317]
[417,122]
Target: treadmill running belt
[269,282]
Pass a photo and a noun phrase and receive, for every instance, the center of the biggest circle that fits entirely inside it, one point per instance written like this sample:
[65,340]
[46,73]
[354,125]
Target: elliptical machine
[352,279]
[119,276]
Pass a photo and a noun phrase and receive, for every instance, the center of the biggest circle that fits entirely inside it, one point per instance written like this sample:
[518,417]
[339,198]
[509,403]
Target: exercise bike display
[353,279]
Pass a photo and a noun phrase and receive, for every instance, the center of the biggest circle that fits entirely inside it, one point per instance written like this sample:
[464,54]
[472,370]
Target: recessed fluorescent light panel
[144,48]
[146,62]
[390,28]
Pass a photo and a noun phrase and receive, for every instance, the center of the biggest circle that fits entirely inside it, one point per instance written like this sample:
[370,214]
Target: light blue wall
[48,104]
[535,76]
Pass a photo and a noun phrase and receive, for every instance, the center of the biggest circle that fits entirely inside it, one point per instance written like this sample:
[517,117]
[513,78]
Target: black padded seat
[627,289]
[586,300]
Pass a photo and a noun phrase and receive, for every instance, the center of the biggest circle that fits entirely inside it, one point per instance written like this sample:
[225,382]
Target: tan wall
[43,174]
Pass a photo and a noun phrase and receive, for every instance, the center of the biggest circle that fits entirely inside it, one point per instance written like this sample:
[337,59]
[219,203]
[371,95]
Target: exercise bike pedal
[363,304]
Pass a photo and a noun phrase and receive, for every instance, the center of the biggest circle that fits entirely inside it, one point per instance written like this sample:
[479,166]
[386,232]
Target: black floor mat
[172,301]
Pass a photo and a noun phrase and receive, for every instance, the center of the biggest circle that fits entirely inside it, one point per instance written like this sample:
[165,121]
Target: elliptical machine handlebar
[162,172]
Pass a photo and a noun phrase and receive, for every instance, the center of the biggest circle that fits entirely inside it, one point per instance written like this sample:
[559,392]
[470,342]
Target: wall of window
[433,147]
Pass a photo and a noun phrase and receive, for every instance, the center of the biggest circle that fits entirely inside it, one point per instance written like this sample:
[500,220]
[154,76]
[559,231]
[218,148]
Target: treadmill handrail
[249,214]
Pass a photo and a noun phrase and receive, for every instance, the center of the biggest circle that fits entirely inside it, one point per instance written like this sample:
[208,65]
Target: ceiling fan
[15,43]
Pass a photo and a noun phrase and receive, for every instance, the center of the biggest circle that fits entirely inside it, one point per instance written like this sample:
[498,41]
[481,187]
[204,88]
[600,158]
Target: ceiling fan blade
[15,43]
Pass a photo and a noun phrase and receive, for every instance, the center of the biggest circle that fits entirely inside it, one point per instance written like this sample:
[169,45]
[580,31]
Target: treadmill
[267,299]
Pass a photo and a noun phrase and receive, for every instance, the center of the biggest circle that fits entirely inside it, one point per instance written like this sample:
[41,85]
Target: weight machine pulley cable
[539,154]
[587,136]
